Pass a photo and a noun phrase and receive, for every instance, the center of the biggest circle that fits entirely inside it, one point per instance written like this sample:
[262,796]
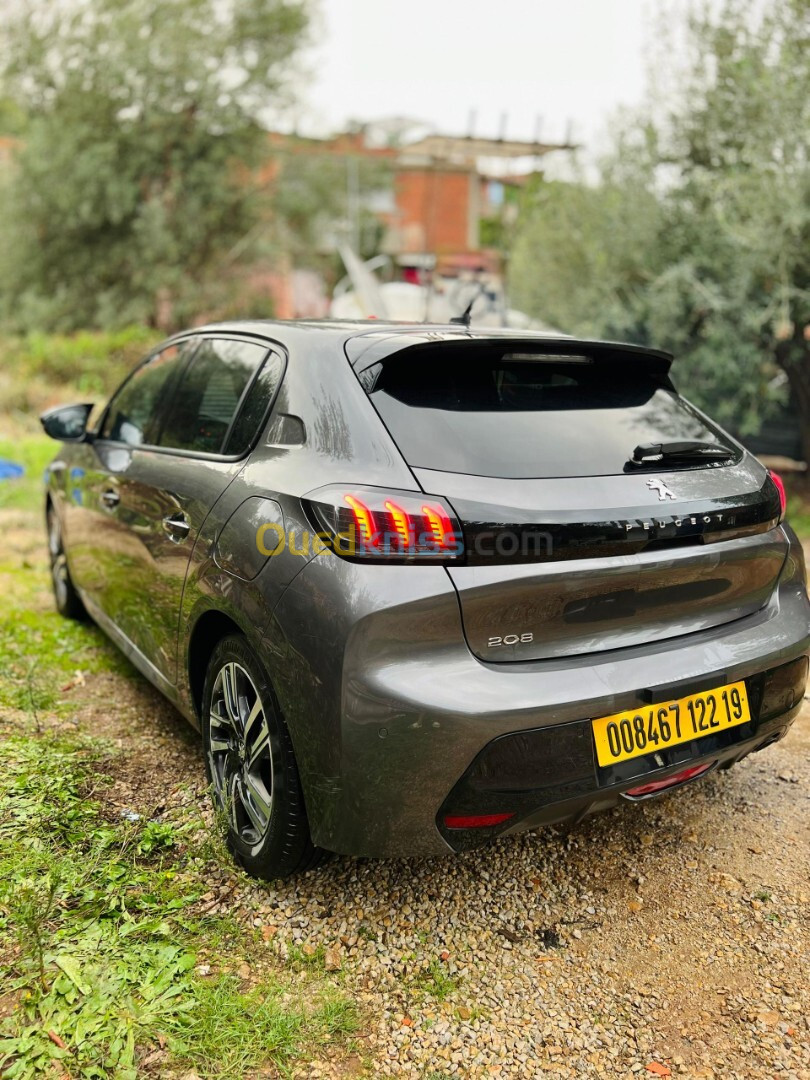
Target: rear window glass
[513,415]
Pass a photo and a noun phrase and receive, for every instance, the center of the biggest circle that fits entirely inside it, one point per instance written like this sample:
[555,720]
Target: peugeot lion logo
[663,491]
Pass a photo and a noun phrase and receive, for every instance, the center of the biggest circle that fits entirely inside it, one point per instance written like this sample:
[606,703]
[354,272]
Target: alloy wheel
[59,567]
[240,754]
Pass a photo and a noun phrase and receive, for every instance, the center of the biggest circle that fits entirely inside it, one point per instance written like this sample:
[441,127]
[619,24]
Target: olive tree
[696,235]
[134,175]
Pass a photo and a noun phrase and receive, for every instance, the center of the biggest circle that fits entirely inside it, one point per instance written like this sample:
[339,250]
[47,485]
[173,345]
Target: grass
[109,966]
[33,452]
[299,957]
[99,922]
[42,654]
[435,981]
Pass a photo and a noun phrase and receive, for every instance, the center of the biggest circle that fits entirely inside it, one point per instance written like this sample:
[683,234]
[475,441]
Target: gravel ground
[665,938]
[673,932]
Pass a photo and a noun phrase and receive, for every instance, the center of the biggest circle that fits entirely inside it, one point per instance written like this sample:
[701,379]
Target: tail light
[385,526]
[780,487]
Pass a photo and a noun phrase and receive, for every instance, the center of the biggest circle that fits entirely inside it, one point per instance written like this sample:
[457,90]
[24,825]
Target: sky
[569,61]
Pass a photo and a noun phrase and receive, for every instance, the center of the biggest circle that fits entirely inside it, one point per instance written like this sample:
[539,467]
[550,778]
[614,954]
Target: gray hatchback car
[422,586]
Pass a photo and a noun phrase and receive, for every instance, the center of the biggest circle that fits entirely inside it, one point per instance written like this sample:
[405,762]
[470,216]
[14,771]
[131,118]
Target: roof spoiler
[365,350]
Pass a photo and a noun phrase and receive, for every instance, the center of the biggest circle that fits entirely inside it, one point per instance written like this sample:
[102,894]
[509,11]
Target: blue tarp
[9,470]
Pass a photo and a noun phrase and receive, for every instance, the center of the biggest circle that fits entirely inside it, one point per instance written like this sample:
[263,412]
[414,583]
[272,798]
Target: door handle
[110,498]
[176,526]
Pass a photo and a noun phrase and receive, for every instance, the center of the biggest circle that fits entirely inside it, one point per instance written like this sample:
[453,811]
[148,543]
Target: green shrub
[92,361]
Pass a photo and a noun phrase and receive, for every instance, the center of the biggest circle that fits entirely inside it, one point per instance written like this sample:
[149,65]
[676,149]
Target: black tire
[68,601]
[251,766]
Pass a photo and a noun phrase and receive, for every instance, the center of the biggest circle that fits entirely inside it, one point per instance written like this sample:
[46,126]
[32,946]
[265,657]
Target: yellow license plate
[655,727]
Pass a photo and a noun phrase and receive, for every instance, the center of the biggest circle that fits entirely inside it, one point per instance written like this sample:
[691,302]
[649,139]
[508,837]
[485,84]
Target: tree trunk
[164,310]
[793,357]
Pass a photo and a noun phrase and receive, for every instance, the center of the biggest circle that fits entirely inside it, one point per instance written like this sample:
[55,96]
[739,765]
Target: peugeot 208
[421,586]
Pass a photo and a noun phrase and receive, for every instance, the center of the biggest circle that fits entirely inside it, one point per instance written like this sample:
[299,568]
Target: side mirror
[66,423]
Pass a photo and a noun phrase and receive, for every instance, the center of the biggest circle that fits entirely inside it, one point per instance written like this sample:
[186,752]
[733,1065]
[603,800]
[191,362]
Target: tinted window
[134,413]
[512,415]
[206,399]
[255,407]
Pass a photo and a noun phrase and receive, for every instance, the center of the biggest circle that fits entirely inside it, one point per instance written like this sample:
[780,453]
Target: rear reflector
[670,781]
[475,821]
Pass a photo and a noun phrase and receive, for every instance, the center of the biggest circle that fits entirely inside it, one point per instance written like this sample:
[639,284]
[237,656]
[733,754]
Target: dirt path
[673,932]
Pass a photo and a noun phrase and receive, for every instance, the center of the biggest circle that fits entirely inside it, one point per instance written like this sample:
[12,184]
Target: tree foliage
[697,235]
[142,121]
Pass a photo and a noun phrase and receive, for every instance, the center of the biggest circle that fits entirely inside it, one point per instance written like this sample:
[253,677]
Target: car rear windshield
[493,412]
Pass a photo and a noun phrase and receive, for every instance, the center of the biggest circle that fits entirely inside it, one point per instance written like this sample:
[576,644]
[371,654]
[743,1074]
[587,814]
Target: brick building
[441,189]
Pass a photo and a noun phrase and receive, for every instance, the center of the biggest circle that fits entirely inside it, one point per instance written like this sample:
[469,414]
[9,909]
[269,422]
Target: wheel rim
[59,569]
[240,755]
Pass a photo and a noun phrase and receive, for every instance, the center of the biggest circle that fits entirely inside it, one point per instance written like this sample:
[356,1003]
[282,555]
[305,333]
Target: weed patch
[435,981]
[99,922]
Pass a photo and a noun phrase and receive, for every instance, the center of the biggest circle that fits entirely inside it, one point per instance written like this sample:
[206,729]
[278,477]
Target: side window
[209,394]
[134,413]
[256,405]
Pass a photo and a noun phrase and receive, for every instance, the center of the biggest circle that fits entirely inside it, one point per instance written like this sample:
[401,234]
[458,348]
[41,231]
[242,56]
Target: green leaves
[101,1006]
[156,836]
[141,122]
[71,968]
[697,235]
[99,923]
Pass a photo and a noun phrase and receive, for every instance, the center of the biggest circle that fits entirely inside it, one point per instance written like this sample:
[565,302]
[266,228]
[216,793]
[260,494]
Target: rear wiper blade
[687,450]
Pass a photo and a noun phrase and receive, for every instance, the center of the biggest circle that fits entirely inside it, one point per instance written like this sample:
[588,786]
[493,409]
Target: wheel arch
[210,628]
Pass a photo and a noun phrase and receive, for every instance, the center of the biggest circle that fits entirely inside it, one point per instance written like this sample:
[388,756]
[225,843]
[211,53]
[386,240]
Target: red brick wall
[434,210]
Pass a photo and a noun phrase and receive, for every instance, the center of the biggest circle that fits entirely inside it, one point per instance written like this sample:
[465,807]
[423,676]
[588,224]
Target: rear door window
[519,415]
[208,397]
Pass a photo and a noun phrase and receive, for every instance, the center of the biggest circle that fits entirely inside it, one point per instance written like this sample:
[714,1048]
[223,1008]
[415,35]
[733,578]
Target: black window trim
[269,344]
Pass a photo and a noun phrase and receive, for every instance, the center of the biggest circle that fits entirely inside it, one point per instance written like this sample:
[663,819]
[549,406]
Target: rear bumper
[389,710]
[551,775]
